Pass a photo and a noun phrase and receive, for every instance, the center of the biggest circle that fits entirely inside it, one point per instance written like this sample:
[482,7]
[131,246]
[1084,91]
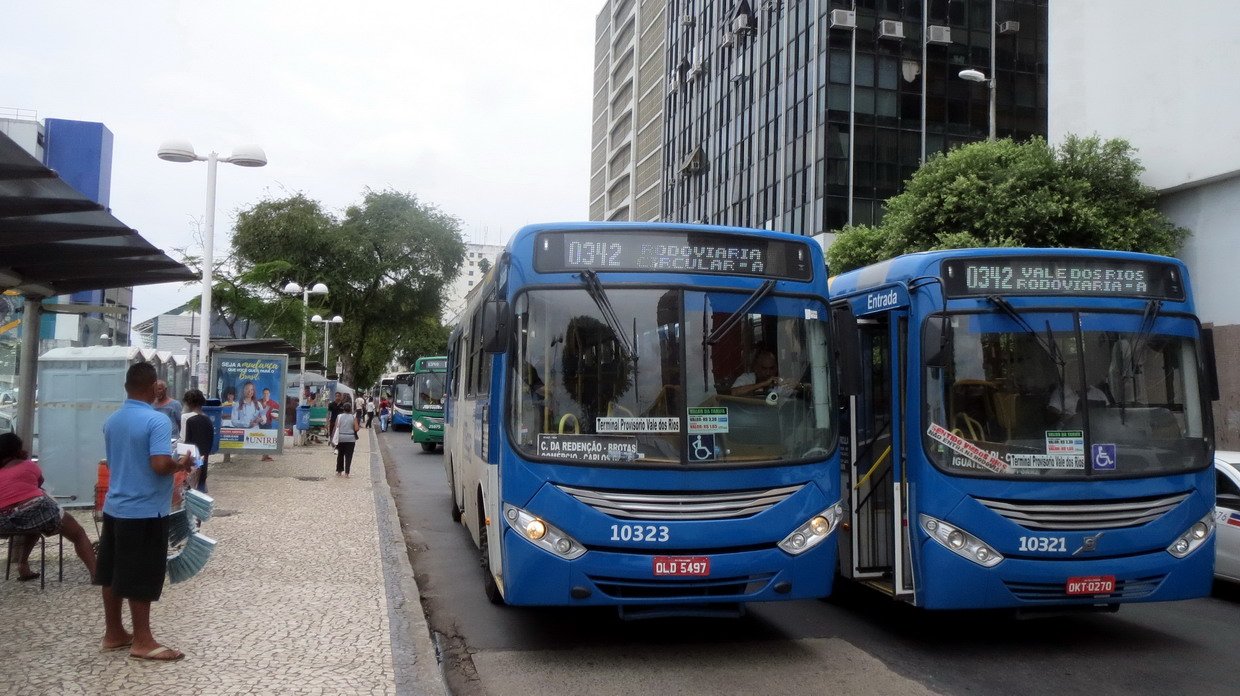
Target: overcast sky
[480,107]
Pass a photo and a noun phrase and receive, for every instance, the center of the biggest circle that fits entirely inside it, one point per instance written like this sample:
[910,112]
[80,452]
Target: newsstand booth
[78,389]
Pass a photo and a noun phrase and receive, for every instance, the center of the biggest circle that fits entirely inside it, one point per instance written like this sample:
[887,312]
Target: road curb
[414,658]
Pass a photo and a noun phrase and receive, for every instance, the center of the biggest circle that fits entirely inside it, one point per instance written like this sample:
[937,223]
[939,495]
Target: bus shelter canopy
[56,241]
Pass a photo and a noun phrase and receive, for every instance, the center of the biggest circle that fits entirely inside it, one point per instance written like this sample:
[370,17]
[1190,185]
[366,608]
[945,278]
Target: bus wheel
[428,447]
[488,579]
[456,509]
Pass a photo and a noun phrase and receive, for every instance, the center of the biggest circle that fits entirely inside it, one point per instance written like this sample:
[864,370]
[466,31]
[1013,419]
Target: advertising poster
[250,388]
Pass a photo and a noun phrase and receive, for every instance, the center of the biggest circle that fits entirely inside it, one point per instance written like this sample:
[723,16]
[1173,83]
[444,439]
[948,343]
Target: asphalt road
[854,643]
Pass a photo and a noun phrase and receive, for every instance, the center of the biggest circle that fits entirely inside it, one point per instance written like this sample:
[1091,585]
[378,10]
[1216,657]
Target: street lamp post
[978,76]
[243,156]
[327,325]
[306,292]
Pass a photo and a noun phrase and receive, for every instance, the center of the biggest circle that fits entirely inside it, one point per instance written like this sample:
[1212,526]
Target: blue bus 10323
[643,416]
[1028,428]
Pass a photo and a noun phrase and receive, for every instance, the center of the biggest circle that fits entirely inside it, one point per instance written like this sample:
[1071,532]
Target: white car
[1227,516]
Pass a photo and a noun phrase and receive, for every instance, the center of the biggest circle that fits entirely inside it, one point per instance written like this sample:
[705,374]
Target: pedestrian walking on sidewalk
[346,439]
[370,412]
[333,412]
[133,545]
[199,431]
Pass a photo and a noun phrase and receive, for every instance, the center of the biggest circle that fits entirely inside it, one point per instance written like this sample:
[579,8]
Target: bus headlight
[960,542]
[419,425]
[542,533]
[1193,537]
[813,532]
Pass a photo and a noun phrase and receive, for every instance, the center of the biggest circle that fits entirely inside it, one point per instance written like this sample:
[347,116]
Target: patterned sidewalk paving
[309,591]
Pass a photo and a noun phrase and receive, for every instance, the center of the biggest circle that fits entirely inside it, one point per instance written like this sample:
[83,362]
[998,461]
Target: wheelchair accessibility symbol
[1104,457]
[702,448]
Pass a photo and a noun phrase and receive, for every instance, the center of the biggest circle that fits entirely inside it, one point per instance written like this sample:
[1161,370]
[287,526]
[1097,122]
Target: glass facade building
[806,116]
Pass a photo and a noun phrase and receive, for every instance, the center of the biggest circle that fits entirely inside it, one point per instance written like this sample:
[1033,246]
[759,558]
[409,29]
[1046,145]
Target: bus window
[656,383]
[428,391]
[1034,396]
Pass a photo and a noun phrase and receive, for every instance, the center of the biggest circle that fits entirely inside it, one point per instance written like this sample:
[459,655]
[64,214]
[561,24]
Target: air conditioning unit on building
[695,163]
[843,19]
[936,34]
[742,24]
[728,40]
[686,20]
[890,29]
[1009,27]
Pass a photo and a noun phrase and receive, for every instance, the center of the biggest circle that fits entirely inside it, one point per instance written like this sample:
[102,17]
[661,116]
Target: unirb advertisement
[250,388]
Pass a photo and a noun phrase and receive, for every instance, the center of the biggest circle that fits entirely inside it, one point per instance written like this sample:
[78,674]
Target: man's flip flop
[116,647]
[28,578]
[153,656]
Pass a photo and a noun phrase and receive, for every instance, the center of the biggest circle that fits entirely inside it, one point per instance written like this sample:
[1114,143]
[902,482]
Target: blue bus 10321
[1028,428]
[643,416]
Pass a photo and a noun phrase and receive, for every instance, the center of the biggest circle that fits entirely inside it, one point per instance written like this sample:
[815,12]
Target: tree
[1085,193]
[484,265]
[386,261]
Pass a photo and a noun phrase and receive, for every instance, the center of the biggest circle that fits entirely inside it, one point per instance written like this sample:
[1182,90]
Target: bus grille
[1070,515]
[681,506]
[628,588]
[1132,588]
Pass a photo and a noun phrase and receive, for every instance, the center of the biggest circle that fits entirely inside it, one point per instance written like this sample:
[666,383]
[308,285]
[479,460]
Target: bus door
[874,482]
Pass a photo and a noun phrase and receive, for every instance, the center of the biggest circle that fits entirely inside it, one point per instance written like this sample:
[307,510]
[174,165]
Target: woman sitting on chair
[25,509]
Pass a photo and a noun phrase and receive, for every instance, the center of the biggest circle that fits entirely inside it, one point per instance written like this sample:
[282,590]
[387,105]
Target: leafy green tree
[1085,193]
[386,262]
[484,265]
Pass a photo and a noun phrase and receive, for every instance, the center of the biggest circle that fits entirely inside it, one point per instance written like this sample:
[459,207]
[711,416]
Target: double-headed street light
[243,156]
[978,76]
[327,325]
[292,289]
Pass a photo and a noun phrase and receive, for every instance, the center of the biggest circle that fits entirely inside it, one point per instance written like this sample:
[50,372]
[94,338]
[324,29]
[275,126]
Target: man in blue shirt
[133,545]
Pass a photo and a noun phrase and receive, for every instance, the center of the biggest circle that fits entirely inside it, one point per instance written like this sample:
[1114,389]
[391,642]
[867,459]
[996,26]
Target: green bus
[424,400]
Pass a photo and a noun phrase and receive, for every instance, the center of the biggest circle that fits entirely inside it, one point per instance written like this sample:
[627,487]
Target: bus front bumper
[951,582]
[536,577]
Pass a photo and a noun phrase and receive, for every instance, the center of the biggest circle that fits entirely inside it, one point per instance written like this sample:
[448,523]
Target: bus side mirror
[847,349]
[1207,349]
[496,326]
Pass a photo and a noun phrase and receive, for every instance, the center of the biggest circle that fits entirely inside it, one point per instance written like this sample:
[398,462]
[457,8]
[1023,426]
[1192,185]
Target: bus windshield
[403,397]
[428,391]
[663,393]
[1063,394]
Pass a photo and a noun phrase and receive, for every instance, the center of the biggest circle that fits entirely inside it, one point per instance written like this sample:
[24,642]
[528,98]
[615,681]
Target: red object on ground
[101,483]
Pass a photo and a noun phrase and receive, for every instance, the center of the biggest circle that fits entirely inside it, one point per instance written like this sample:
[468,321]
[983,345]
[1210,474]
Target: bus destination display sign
[673,250]
[1061,275]
[434,364]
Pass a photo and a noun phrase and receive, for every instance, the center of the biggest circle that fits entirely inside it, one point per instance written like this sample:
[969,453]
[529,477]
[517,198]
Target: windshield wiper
[1047,343]
[1148,317]
[741,311]
[594,287]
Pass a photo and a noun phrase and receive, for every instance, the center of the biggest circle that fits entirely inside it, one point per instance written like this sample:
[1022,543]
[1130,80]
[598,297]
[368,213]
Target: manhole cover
[310,478]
